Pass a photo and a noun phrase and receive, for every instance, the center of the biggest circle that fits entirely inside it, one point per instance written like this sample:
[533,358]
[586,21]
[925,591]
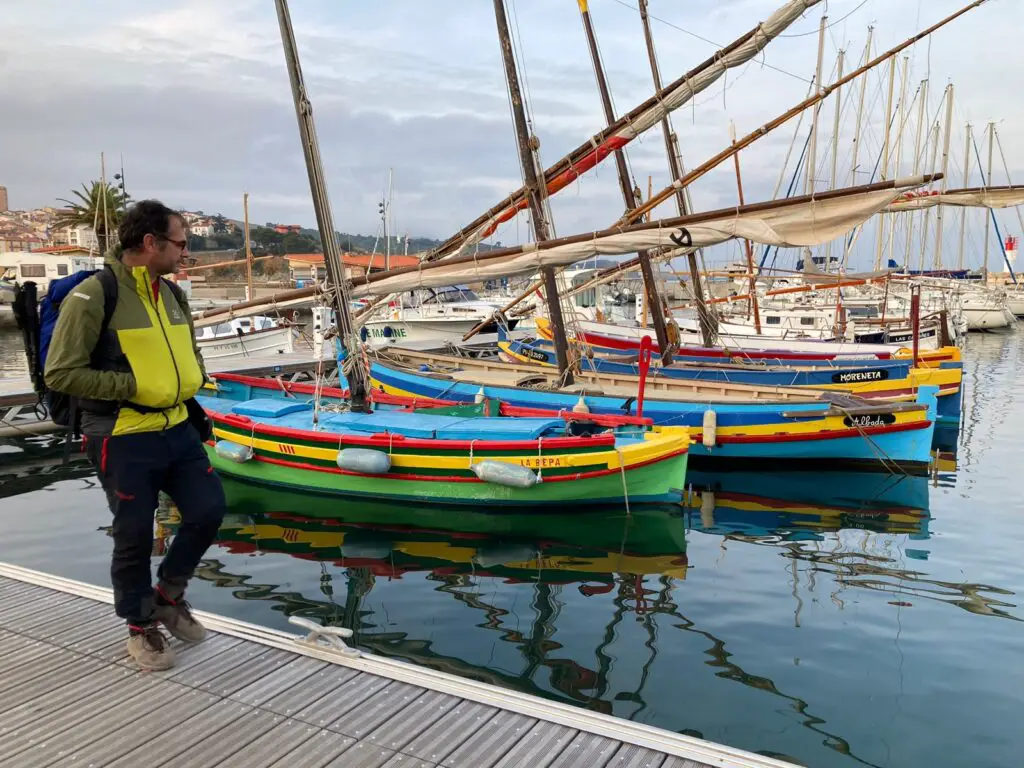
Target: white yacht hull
[279,339]
[987,318]
[419,329]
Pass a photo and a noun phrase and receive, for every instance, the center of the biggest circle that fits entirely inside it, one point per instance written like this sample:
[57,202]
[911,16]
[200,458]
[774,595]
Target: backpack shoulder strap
[179,294]
[108,280]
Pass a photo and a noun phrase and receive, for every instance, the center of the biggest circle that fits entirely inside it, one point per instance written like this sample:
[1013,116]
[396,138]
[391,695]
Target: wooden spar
[628,196]
[248,249]
[963,211]
[750,248]
[679,221]
[338,288]
[771,125]
[947,130]
[527,148]
[570,161]
[707,323]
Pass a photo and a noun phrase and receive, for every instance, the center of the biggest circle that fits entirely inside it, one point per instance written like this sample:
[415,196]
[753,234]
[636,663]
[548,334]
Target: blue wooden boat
[729,423]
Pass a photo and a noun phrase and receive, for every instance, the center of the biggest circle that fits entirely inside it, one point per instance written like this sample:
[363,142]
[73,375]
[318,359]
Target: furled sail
[800,221]
[975,197]
[632,124]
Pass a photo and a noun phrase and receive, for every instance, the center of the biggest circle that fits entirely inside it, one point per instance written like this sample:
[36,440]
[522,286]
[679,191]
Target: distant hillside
[266,241]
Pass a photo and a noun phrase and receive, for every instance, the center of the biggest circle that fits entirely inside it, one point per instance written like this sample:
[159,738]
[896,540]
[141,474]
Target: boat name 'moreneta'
[854,377]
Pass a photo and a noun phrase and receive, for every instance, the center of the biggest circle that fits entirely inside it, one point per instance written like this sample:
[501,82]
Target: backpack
[37,324]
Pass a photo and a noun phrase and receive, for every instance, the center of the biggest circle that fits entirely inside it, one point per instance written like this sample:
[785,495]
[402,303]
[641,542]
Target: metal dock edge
[325,709]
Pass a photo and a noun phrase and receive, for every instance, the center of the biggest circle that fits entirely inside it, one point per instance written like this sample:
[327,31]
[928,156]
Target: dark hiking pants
[133,469]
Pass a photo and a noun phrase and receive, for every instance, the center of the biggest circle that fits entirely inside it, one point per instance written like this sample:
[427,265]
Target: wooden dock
[254,697]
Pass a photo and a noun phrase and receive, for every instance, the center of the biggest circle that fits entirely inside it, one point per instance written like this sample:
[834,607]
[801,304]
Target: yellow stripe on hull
[658,443]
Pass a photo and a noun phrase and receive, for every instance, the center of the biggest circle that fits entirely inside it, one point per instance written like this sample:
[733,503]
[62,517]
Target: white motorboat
[245,336]
[443,314]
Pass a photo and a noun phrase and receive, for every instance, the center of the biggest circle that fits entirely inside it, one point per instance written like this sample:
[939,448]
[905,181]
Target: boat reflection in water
[595,609]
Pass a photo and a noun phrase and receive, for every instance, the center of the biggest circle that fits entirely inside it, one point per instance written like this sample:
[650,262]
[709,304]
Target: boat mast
[885,159]
[918,137]
[945,170]
[988,219]
[812,149]
[967,183]
[337,286]
[629,197]
[927,214]
[248,249]
[771,125]
[860,111]
[752,280]
[527,159]
[704,316]
[840,59]
[106,219]
[901,122]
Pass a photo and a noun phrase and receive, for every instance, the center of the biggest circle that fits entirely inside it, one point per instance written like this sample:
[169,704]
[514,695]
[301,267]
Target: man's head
[154,236]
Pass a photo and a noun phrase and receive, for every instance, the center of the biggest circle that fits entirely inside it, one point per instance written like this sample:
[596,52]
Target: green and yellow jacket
[148,356]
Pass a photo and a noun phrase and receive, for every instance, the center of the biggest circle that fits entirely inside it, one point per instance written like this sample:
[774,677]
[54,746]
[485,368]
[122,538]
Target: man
[132,385]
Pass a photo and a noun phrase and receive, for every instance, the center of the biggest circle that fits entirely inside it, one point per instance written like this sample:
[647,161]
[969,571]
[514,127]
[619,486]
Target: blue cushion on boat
[269,407]
[498,428]
[417,425]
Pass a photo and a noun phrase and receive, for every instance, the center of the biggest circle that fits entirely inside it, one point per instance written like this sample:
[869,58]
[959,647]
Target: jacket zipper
[170,350]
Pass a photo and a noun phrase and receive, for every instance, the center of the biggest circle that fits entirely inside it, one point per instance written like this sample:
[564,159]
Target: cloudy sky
[194,94]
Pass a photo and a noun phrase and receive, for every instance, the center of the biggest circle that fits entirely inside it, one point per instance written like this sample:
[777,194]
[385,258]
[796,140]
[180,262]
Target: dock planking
[70,695]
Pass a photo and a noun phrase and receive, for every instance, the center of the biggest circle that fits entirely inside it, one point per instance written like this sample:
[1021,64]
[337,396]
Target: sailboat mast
[527,147]
[707,329]
[812,149]
[338,288]
[860,110]
[901,123]
[967,183]
[945,169]
[919,134]
[248,249]
[988,218]
[840,59]
[819,95]
[629,197]
[749,248]
[885,159]
[106,219]
[934,138]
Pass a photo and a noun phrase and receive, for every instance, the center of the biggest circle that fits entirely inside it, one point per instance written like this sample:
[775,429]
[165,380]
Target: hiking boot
[149,648]
[176,615]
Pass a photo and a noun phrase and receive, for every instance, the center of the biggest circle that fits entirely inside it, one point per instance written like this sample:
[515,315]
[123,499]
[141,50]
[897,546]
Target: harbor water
[829,619]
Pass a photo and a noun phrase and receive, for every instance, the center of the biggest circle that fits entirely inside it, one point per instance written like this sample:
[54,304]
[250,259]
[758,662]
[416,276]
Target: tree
[88,209]
[220,224]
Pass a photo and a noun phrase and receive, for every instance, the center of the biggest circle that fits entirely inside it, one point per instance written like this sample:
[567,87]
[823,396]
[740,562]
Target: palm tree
[88,209]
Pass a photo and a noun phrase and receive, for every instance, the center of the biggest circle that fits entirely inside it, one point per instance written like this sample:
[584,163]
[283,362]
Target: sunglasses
[181,244]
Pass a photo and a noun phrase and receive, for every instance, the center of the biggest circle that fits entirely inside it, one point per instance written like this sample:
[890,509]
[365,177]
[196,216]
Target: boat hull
[643,485]
[811,434]
[279,339]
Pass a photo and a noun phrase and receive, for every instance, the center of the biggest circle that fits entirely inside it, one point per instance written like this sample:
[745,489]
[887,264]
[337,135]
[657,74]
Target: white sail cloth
[640,119]
[980,197]
[802,222]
